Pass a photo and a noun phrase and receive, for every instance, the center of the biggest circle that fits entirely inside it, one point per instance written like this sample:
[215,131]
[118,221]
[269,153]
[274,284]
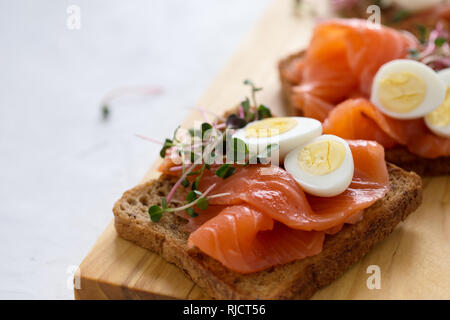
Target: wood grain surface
[414,261]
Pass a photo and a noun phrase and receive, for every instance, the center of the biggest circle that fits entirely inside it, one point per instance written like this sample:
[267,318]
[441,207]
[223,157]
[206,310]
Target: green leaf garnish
[164,203]
[202,203]
[191,212]
[413,52]
[264,112]
[205,128]
[174,137]
[191,196]
[422,33]
[238,149]
[194,132]
[185,183]
[105,112]
[194,157]
[246,106]
[254,90]
[269,149]
[197,180]
[225,171]
[155,213]
[440,41]
[400,15]
[234,122]
[167,144]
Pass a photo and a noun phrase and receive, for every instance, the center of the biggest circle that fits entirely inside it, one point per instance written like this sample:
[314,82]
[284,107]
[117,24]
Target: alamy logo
[375,15]
[73,21]
[374,280]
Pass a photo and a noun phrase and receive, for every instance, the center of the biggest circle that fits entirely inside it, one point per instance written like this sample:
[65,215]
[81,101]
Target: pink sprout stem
[176,168]
[149,139]
[134,90]
[430,46]
[221,126]
[178,183]
[241,112]
[437,59]
[203,110]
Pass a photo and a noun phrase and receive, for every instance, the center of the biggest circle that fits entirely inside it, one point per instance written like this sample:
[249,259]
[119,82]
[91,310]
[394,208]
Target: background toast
[398,155]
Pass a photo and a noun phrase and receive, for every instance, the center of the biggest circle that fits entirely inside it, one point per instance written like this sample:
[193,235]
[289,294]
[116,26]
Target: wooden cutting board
[414,261]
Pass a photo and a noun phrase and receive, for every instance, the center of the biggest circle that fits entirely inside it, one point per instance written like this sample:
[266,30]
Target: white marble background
[61,167]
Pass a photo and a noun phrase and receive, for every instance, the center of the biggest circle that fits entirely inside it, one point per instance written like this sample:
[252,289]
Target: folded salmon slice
[338,69]
[341,61]
[273,191]
[245,240]
[360,119]
[268,220]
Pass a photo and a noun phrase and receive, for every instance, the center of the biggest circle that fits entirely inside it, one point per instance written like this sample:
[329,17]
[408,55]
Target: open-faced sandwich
[258,207]
[367,81]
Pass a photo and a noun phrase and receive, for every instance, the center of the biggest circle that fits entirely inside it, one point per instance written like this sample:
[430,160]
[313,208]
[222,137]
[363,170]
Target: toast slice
[296,280]
[399,155]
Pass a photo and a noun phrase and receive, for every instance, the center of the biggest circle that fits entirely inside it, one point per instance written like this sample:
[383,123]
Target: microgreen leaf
[167,144]
[238,150]
[185,183]
[440,41]
[269,149]
[174,137]
[234,122]
[422,33]
[194,132]
[202,203]
[155,213]
[400,15]
[191,212]
[191,196]
[254,90]
[194,157]
[205,127]
[105,112]
[246,105]
[196,183]
[197,180]
[225,170]
[164,203]
[413,52]
[264,112]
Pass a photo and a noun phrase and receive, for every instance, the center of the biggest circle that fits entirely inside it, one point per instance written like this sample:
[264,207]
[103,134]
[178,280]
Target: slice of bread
[398,155]
[295,280]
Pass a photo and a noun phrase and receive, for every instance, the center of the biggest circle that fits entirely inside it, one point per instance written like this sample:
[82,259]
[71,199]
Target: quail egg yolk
[402,91]
[270,127]
[321,157]
[440,117]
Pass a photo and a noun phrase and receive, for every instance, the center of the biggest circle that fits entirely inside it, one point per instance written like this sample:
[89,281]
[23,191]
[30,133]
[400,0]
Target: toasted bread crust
[398,155]
[296,280]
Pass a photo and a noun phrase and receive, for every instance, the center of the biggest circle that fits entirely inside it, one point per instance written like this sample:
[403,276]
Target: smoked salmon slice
[338,69]
[360,119]
[266,219]
[272,191]
[341,61]
[245,240]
